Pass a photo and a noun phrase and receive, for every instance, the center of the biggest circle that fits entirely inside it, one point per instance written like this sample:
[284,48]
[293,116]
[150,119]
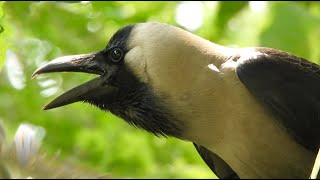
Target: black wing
[289,87]
[220,168]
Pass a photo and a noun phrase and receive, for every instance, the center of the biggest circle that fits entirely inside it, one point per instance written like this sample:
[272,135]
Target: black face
[116,89]
[120,38]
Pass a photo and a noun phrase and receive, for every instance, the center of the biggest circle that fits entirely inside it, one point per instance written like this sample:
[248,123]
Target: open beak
[88,63]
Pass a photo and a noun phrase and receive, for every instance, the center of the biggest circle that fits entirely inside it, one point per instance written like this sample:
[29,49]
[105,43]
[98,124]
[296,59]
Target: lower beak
[88,63]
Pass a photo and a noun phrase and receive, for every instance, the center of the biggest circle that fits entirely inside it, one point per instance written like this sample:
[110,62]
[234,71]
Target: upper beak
[75,63]
[88,63]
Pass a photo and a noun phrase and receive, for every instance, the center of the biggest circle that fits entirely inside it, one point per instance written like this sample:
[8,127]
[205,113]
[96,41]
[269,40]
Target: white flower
[27,141]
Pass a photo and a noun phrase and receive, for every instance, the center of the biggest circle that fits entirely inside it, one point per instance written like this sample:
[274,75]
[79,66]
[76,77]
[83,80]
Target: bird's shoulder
[261,55]
[288,86]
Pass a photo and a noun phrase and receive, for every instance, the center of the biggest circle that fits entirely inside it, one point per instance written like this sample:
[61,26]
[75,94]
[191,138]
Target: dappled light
[15,71]
[258,6]
[190,15]
[80,140]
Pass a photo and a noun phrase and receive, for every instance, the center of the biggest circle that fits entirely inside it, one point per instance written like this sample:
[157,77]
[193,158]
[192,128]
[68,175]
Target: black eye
[116,55]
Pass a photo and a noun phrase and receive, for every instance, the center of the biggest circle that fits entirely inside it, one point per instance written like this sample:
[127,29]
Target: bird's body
[171,82]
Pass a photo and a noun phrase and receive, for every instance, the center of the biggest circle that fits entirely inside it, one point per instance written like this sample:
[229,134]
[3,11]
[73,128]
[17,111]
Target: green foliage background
[39,31]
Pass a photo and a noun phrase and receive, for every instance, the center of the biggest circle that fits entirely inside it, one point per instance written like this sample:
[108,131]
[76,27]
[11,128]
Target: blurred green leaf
[289,28]
[226,11]
[41,30]
[3,34]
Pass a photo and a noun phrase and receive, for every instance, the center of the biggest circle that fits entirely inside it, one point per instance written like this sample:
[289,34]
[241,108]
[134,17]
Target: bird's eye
[116,55]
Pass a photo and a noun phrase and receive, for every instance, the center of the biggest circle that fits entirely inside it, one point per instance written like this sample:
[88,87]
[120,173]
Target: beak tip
[35,74]
[46,107]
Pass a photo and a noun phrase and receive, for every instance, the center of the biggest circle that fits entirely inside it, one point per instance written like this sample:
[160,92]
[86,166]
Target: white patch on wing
[213,67]
[228,64]
[245,55]
[250,53]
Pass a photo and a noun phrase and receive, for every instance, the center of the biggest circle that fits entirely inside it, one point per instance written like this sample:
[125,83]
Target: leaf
[290,25]
[3,33]
[227,10]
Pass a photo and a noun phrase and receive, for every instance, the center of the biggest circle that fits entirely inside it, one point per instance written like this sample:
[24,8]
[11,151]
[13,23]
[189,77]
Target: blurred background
[89,140]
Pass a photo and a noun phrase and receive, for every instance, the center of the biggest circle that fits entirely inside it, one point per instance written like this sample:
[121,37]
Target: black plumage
[289,87]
